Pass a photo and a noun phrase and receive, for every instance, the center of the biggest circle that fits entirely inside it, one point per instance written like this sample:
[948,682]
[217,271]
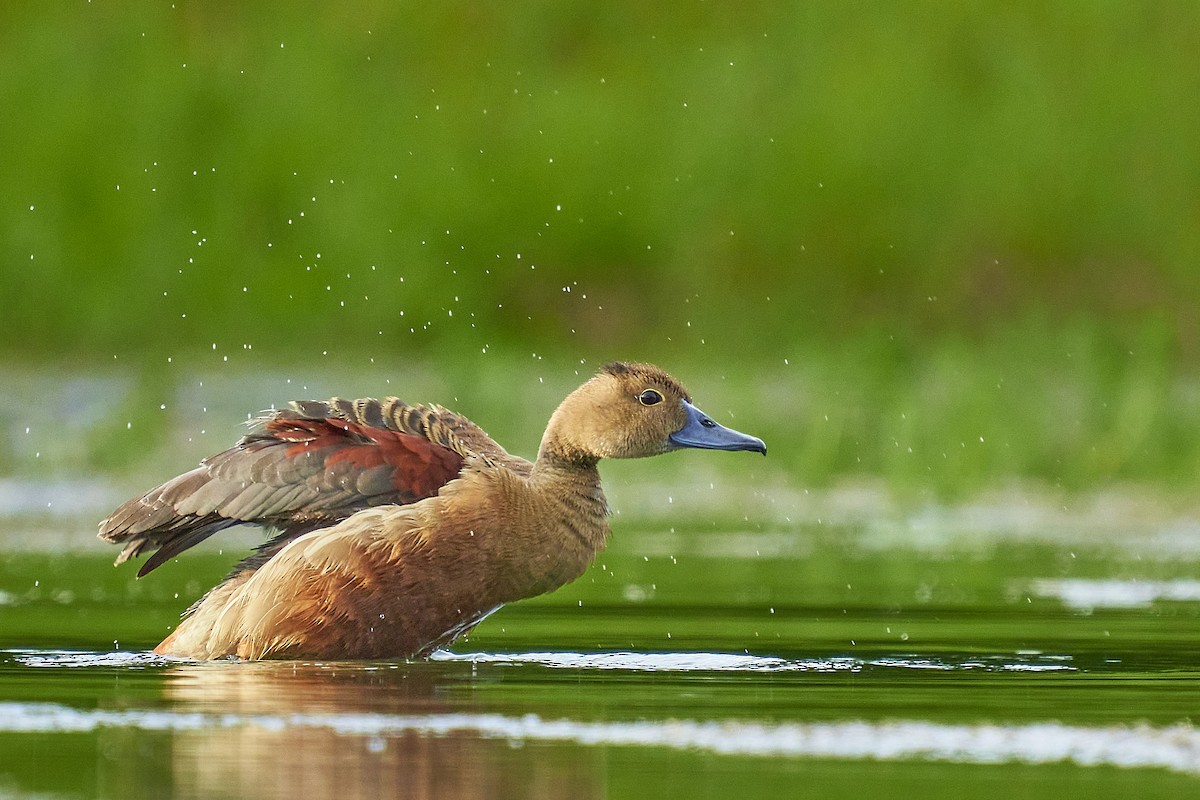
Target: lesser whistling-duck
[397,527]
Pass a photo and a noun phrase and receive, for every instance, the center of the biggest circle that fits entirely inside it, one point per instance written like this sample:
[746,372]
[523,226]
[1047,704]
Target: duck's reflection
[273,757]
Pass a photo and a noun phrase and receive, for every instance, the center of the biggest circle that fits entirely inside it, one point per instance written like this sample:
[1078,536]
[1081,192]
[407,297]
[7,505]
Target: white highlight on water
[734,662]
[1086,594]
[1175,748]
[654,662]
[1028,661]
[54,659]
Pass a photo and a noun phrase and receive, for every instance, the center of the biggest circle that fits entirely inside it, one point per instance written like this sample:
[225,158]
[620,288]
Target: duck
[395,528]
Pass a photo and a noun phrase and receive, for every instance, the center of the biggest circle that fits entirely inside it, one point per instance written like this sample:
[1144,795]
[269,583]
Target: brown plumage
[399,527]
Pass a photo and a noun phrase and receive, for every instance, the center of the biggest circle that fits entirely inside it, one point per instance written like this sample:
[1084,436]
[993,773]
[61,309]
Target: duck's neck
[572,488]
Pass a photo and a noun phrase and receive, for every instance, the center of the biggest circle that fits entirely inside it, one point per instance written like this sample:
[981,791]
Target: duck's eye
[649,397]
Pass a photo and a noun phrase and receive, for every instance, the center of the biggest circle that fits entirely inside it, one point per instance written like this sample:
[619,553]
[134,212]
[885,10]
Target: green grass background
[951,244]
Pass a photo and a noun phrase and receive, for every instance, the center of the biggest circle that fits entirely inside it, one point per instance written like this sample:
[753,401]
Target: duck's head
[635,410]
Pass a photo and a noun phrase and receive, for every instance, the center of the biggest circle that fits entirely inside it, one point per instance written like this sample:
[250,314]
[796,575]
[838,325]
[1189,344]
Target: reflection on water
[264,750]
[341,732]
[352,730]
[185,670]
[741,662]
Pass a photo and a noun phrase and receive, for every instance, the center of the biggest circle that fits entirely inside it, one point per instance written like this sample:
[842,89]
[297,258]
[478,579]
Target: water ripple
[70,659]
[618,660]
[1175,748]
[656,662]
[733,662]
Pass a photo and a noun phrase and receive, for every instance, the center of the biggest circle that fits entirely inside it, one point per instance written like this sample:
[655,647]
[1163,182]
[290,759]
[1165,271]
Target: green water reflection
[788,635]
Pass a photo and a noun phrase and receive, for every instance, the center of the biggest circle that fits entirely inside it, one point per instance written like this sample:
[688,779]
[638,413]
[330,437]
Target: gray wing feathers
[271,476]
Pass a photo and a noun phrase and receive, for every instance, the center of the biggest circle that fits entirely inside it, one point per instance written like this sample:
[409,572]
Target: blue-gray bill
[704,432]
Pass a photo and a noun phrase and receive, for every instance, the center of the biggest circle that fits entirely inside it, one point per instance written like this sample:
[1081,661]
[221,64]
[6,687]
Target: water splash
[72,659]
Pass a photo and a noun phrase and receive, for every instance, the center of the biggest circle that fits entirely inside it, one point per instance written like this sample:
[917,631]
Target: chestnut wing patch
[341,460]
[294,473]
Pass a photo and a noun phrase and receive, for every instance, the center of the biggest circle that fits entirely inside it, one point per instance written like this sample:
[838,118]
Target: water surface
[940,651]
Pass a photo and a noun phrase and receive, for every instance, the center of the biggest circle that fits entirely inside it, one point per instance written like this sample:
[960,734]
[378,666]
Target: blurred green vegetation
[1057,405]
[968,230]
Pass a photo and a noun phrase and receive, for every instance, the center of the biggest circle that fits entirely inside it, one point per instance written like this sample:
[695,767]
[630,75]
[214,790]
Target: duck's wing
[306,467]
